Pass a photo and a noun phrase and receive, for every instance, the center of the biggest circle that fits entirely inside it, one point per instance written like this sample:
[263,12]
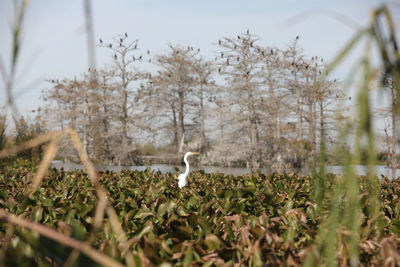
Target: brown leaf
[177,255]
[369,246]
[390,251]
[145,261]
[290,261]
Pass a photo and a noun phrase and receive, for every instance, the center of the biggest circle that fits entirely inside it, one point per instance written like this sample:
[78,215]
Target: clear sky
[54,41]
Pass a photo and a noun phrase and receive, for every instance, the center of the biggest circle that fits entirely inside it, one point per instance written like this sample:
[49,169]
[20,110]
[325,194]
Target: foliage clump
[217,219]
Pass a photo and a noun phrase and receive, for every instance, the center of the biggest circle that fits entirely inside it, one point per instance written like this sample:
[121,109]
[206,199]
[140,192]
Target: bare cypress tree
[274,106]
[64,106]
[107,102]
[171,90]
[297,85]
[240,66]
[124,56]
[205,85]
[390,116]
[310,75]
[320,95]
[73,103]
[63,95]
[295,64]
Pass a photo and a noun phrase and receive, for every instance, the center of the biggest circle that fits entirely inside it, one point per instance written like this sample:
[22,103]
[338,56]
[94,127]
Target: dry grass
[103,206]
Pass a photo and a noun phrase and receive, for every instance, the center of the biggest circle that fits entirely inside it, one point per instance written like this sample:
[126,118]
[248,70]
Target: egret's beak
[194,153]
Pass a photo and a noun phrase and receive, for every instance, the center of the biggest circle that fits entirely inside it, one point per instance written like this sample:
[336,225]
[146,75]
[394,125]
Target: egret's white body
[182,177]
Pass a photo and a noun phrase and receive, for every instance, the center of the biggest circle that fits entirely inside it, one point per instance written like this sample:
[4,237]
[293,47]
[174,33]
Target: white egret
[182,177]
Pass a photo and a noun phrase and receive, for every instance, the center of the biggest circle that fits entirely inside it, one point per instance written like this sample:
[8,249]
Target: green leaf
[3,194]
[212,242]
[141,214]
[78,230]
[187,260]
[228,194]
[145,230]
[166,208]
[204,225]
[86,209]
[396,226]
[193,220]
[181,212]
[37,213]
[70,216]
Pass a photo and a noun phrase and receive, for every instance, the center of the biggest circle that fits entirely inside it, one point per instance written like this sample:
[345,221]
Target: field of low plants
[217,220]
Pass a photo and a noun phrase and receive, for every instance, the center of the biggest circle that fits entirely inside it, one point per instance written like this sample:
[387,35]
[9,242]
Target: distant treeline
[250,105]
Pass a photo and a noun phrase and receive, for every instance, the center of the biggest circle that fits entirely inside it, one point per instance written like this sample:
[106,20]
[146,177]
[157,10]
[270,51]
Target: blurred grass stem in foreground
[345,210]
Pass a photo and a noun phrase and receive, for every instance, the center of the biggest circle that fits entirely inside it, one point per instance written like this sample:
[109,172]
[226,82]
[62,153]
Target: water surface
[164,168]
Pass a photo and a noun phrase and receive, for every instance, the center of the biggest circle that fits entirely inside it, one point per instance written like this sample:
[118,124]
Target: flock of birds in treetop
[190,48]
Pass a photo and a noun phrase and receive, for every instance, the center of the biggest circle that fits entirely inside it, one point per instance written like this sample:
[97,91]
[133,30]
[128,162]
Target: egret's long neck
[187,165]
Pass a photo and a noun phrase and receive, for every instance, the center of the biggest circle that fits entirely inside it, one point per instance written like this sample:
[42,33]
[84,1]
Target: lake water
[164,168]
[362,170]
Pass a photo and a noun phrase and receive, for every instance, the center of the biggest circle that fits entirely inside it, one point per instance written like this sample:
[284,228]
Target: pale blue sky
[54,43]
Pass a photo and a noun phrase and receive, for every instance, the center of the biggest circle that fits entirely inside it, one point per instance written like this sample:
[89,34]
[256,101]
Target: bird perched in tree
[182,177]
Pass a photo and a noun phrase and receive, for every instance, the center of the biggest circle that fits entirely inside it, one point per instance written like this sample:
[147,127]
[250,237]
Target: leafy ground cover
[216,220]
